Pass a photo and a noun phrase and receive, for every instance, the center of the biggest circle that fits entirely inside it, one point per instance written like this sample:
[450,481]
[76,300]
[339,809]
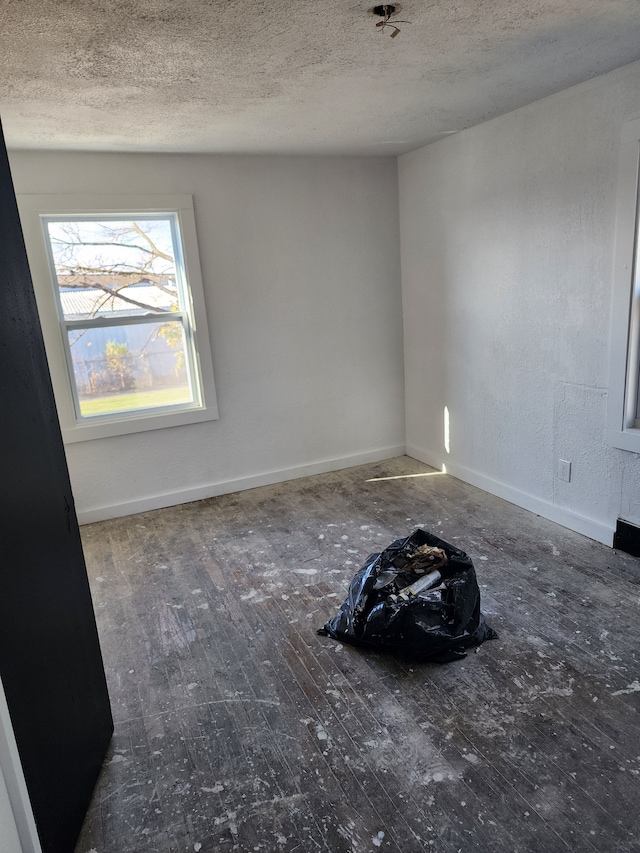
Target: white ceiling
[293,76]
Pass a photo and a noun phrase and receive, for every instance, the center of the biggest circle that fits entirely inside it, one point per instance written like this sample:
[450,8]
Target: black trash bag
[418,598]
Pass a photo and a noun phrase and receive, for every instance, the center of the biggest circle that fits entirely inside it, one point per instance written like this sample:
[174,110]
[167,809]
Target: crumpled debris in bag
[418,598]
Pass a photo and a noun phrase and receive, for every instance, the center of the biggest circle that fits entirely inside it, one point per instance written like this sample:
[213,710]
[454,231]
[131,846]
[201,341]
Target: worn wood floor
[239,729]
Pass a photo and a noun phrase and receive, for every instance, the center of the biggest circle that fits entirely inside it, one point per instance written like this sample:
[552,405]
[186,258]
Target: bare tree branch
[156,251]
[79,242]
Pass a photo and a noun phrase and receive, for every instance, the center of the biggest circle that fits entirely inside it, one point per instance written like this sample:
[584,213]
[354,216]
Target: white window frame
[623,427]
[33,212]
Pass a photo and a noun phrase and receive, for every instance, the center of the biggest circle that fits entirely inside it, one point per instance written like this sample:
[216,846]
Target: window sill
[132,423]
[628,439]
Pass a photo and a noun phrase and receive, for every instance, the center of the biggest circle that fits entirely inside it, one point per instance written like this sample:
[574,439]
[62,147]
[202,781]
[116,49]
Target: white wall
[9,841]
[18,832]
[507,234]
[301,267]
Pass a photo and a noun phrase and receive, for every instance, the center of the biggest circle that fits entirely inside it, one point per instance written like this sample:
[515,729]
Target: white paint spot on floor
[305,571]
[471,757]
[378,744]
[634,687]
[377,841]
[196,591]
[217,788]
[197,846]
[204,606]
[249,595]
[321,536]
[557,691]
[99,579]
[117,759]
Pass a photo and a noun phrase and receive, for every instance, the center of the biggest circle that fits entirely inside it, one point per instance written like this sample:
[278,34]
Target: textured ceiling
[289,76]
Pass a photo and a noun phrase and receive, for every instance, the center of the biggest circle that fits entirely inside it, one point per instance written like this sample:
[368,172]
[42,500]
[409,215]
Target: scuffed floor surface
[237,728]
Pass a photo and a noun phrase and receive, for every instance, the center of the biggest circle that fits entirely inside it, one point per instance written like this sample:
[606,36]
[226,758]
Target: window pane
[128,368]
[107,267]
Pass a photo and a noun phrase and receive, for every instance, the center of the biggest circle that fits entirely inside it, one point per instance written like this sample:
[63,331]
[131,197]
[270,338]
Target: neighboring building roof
[83,302]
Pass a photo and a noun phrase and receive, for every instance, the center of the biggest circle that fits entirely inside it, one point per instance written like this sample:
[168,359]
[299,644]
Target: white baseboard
[574,521]
[210,490]
[567,518]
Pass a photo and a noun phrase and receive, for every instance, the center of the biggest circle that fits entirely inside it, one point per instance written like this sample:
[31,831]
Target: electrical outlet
[564,470]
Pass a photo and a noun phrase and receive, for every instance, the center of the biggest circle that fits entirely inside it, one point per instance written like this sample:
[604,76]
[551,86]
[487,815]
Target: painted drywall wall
[9,841]
[18,832]
[301,269]
[507,235]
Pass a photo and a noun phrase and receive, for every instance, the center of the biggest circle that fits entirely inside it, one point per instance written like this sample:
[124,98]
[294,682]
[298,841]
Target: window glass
[128,368]
[113,266]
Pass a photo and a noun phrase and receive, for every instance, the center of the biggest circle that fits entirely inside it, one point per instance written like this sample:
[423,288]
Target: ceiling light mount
[385,11]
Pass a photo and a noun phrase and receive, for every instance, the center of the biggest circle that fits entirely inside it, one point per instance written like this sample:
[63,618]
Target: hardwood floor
[239,729]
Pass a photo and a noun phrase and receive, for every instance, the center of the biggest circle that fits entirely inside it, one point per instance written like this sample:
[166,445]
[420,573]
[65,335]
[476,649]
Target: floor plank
[239,729]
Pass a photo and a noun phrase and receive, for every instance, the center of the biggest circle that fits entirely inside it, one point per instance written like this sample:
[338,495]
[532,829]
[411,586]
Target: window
[119,281]
[624,381]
